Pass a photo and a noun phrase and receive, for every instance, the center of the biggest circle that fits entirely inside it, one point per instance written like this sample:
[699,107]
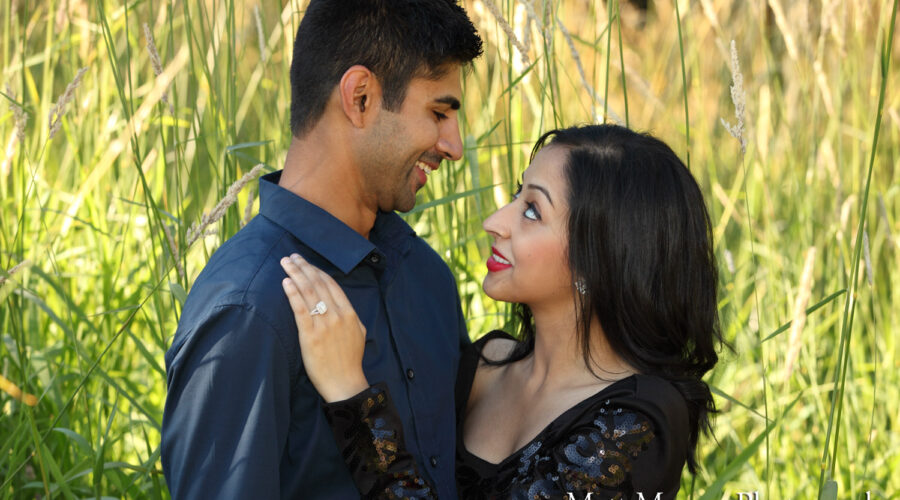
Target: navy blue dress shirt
[242,419]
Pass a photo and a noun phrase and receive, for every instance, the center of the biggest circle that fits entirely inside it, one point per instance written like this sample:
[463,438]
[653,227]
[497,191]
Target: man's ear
[360,93]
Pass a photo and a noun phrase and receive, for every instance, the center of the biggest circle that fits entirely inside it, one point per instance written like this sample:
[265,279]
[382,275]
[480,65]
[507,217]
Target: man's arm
[227,411]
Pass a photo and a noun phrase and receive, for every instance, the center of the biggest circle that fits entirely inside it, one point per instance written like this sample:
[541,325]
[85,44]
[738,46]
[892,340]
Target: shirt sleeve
[227,410]
[622,454]
[369,433]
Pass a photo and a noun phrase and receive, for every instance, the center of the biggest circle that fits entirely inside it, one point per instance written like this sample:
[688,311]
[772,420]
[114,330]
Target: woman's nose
[495,224]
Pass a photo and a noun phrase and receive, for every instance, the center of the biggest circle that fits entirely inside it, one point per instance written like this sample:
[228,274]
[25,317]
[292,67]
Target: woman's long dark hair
[640,241]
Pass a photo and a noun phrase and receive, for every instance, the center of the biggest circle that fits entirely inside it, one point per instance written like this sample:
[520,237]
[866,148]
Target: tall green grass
[85,322]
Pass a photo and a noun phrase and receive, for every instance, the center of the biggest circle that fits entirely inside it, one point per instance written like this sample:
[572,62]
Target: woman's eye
[440,116]
[531,212]
[518,191]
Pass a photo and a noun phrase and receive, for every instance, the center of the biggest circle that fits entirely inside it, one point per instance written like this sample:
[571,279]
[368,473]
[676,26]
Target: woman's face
[529,260]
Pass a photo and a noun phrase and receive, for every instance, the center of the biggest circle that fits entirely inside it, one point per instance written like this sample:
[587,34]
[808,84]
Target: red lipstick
[497,262]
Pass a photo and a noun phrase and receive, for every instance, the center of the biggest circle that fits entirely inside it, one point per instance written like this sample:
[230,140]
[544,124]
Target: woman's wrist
[344,388]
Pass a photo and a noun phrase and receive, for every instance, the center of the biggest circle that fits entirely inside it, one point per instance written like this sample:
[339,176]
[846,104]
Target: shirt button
[410,374]
[374,258]
[433,461]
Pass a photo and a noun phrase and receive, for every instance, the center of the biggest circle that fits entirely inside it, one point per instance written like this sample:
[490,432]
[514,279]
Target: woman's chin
[493,291]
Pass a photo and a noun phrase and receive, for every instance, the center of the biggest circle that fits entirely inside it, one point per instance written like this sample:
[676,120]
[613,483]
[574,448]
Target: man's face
[406,145]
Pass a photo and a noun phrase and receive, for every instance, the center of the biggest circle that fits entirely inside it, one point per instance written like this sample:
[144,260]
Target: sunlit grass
[86,320]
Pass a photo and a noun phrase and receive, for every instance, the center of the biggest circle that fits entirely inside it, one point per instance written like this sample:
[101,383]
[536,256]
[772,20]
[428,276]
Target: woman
[607,251]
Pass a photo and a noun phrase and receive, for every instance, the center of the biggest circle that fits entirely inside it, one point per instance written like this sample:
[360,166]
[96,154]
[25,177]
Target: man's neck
[323,172]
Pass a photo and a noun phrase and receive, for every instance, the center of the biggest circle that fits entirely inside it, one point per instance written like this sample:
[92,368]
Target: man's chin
[405,207]
[404,204]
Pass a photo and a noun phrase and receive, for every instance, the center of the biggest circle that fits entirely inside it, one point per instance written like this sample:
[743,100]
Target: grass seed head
[504,25]
[59,109]
[259,33]
[198,230]
[13,270]
[248,209]
[739,98]
[19,114]
[156,62]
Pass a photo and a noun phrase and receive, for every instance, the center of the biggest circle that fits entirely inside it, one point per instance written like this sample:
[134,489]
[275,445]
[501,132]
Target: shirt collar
[324,233]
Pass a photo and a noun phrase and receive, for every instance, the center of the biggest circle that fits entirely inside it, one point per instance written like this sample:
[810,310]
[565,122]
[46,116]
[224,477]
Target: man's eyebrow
[541,189]
[449,100]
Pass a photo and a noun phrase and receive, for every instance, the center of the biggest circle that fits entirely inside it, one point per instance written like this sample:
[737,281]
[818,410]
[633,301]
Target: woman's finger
[335,292]
[329,291]
[326,289]
[306,297]
[300,283]
[298,305]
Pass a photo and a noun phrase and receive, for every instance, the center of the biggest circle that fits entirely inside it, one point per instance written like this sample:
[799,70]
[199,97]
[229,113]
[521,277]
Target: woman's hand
[331,343]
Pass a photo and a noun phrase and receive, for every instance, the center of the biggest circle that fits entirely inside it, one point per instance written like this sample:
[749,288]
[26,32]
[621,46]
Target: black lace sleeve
[602,458]
[619,454]
[370,435]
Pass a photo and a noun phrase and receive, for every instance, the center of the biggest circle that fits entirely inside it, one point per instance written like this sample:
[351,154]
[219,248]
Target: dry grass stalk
[13,270]
[598,101]
[19,114]
[62,12]
[156,62]
[504,25]
[21,119]
[867,258]
[248,209]
[710,12]
[739,98]
[174,250]
[198,230]
[13,390]
[882,212]
[729,260]
[59,109]
[784,26]
[799,320]
[526,27]
[259,33]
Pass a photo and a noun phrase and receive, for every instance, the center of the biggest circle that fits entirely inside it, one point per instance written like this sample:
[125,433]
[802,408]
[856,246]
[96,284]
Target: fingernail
[295,257]
[285,260]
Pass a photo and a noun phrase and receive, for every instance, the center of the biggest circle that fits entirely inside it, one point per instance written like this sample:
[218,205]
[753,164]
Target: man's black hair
[396,39]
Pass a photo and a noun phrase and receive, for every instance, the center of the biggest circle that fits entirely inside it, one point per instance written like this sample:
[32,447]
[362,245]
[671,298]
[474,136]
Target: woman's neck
[558,362]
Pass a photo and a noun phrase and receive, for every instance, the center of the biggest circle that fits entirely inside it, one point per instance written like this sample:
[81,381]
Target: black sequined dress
[628,441]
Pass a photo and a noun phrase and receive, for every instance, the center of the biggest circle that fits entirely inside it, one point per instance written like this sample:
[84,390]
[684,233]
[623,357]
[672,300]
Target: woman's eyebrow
[541,189]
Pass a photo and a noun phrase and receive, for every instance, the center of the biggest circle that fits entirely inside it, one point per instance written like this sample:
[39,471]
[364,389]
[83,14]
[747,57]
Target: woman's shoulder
[662,400]
[475,372]
[636,429]
[495,345]
[654,397]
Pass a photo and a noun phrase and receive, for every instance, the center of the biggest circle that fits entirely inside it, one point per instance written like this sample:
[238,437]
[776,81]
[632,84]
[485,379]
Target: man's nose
[449,143]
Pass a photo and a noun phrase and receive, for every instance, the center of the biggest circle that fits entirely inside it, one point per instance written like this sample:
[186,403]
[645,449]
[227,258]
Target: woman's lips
[497,262]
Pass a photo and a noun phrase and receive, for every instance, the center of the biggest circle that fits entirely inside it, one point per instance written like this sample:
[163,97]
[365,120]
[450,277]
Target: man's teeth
[425,168]
[500,259]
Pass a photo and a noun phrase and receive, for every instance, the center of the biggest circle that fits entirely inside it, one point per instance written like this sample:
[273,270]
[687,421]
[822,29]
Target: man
[375,94]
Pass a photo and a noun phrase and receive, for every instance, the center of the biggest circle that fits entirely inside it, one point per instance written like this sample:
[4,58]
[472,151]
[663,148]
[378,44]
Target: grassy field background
[108,174]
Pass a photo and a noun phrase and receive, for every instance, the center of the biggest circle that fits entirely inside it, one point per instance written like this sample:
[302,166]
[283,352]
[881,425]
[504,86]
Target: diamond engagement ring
[320,308]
